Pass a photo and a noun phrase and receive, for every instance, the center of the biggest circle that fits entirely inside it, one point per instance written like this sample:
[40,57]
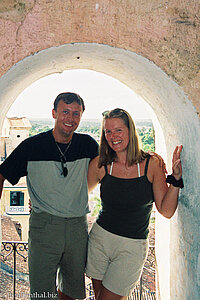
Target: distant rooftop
[19,122]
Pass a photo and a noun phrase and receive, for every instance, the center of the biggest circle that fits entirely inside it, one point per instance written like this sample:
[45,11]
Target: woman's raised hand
[176,162]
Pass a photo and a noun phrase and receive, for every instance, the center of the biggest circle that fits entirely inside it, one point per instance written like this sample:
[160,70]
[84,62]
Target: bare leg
[105,294]
[97,286]
[64,296]
[101,293]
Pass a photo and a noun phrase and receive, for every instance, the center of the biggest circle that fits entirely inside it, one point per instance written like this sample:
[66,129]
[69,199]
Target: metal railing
[9,253]
[15,248]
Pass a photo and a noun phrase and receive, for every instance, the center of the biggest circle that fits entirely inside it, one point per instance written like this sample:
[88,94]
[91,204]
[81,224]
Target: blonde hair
[134,153]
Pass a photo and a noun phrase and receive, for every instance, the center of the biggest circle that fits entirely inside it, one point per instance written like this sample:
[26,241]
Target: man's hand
[29,205]
[161,160]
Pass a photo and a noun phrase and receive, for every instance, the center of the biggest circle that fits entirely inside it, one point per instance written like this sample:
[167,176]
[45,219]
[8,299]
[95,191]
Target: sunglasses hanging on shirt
[63,159]
[64,168]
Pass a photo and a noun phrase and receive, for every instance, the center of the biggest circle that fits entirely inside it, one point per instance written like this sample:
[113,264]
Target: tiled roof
[6,284]
[9,232]
[19,122]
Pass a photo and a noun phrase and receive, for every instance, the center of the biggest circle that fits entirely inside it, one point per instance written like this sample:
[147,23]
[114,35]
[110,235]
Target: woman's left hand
[176,162]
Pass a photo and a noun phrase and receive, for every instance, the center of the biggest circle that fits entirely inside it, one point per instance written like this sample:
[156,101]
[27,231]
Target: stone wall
[165,32]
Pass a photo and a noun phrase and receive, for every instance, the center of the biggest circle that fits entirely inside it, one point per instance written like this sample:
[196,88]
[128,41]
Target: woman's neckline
[138,169]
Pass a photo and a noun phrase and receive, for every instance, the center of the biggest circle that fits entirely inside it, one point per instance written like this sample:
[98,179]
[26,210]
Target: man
[55,164]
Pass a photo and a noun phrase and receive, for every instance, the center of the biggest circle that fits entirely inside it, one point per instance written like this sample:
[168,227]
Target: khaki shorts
[57,248]
[117,261]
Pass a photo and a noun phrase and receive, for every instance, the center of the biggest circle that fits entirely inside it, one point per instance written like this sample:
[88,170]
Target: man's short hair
[69,98]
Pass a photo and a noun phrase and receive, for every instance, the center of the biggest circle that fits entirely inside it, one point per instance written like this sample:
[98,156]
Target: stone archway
[179,123]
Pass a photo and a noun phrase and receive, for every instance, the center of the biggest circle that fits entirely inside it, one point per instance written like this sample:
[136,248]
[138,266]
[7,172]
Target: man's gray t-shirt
[38,158]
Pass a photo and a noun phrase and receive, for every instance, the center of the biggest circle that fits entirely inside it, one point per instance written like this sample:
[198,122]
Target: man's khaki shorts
[57,248]
[115,260]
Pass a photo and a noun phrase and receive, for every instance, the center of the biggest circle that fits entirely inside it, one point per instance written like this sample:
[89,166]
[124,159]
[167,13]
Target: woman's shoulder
[95,163]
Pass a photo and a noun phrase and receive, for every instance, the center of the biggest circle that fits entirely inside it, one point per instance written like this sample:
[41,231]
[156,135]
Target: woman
[131,180]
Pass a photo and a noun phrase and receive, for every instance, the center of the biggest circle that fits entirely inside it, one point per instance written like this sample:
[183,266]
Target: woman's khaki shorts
[117,261]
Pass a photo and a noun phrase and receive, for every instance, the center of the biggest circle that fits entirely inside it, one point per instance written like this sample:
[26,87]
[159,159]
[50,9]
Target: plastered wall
[165,32]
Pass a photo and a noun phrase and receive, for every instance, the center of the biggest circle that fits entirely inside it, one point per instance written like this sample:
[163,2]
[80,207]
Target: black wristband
[172,180]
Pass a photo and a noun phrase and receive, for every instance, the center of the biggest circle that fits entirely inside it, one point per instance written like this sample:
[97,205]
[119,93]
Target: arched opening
[168,102]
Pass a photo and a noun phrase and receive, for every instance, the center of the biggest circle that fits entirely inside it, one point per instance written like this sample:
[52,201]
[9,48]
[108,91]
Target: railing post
[141,287]
[15,247]
[14,270]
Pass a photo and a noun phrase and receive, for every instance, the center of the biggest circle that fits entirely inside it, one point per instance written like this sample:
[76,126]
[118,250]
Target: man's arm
[1,183]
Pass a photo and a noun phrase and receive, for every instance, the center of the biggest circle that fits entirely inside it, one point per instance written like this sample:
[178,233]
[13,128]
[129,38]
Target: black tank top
[126,205]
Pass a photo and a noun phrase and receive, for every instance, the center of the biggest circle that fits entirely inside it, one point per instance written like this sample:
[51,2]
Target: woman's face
[117,134]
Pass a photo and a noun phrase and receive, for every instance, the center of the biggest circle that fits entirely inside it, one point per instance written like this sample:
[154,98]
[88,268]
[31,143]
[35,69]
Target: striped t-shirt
[38,158]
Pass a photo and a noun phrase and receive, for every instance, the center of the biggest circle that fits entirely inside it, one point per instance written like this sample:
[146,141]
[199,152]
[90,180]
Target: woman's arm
[166,197]
[93,174]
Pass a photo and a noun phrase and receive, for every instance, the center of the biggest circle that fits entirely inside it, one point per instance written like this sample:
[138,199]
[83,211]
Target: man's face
[67,118]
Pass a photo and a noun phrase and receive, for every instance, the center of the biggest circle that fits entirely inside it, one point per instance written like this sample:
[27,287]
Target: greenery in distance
[93,127]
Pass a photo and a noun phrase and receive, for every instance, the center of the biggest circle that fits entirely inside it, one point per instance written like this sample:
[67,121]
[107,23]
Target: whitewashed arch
[180,125]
